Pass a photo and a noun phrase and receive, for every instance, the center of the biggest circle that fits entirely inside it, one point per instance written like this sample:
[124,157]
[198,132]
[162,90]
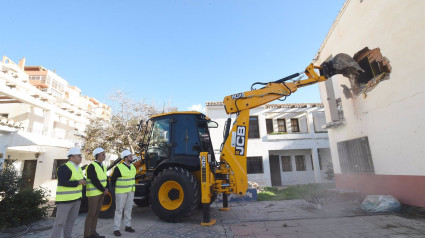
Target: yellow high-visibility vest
[91,190]
[63,193]
[126,182]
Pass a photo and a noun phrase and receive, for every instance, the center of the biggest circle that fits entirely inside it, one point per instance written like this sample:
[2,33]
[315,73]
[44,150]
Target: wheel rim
[171,195]
[107,201]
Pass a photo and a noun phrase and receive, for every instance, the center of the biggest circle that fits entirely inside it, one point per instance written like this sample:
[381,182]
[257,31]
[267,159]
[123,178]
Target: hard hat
[98,150]
[125,153]
[74,151]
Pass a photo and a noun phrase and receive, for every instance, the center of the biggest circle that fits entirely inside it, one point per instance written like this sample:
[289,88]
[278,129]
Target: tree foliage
[120,132]
[19,205]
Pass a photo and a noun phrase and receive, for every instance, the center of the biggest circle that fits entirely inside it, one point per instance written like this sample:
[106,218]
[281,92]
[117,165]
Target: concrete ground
[294,218]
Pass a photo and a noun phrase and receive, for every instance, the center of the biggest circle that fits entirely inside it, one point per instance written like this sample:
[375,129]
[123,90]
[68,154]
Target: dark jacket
[91,174]
[64,175]
[117,174]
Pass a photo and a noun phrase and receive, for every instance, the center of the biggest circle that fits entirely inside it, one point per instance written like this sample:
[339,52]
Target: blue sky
[185,52]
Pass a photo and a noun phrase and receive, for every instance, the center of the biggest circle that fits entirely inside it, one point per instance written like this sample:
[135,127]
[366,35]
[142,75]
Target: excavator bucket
[341,64]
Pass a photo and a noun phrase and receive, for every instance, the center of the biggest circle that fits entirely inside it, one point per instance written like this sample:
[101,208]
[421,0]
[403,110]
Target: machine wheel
[108,208]
[142,203]
[174,194]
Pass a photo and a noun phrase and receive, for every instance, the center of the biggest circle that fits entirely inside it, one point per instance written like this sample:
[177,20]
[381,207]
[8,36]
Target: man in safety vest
[123,178]
[96,189]
[68,194]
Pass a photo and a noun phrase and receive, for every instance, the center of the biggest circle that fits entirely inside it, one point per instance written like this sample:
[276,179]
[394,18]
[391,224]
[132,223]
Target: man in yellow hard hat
[96,190]
[68,194]
[123,178]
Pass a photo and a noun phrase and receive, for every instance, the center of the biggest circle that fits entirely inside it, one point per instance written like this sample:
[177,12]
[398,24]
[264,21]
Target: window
[286,163]
[269,126]
[38,77]
[294,125]
[254,165]
[320,162]
[158,147]
[300,162]
[281,125]
[254,131]
[56,164]
[355,156]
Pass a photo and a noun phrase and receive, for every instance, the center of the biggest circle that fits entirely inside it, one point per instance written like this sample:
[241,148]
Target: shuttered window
[355,156]
[286,163]
[281,125]
[300,162]
[269,126]
[254,131]
[294,125]
[254,165]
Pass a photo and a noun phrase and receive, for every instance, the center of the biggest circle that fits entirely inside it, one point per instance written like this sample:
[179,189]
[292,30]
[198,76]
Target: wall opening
[376,68]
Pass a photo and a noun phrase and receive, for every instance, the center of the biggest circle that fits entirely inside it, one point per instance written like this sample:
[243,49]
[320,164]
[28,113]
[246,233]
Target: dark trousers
[95,204]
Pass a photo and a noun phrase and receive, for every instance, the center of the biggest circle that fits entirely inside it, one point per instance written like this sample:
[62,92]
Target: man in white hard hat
[123,178]
[68,194]
[96,189]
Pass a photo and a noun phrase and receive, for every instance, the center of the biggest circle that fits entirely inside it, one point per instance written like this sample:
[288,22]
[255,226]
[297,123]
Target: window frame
[254,168]
[298,165]
[284,168]
[295,127]
[279,126]
[251,133]
[320,162]
[269,126]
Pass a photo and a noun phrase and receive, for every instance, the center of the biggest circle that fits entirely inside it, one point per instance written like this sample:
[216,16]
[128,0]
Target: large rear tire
[174,194]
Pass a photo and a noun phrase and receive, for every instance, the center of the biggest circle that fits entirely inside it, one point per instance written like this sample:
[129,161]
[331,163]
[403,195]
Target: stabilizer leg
[206,216]
[225,203]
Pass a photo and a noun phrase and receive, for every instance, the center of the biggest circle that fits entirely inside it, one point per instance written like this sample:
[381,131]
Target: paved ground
[295,218]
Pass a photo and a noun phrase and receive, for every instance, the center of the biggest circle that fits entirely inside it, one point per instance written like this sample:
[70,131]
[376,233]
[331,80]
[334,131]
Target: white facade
[310,142]
[37,125]
[392,116]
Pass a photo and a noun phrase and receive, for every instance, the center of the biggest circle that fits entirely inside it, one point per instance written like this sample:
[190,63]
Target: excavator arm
[271,91]
[231,175]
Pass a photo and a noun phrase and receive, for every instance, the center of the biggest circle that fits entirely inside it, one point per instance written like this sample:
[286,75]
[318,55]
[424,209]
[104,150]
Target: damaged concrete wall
[387,109]
[376,68]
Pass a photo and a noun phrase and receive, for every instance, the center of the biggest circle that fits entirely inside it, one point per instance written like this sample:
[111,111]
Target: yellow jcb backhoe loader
[177,170]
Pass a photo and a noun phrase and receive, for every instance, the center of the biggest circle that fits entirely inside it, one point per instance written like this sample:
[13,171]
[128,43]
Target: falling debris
[376,68]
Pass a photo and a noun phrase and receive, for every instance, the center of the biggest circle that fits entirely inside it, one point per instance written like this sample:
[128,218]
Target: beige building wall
[38,127]
[392,115]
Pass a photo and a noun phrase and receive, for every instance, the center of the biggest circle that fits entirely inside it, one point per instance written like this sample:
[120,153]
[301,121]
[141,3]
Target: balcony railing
[297,136]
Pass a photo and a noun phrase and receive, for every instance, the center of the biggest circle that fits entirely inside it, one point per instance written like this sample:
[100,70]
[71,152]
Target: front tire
[174,194]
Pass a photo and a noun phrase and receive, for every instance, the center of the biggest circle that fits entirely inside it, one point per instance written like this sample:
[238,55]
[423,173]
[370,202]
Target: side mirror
[212,124]
[139,126]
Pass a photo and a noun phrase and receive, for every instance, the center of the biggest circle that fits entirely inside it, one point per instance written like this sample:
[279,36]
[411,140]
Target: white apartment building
[286,144]
[379,147]
[41,117]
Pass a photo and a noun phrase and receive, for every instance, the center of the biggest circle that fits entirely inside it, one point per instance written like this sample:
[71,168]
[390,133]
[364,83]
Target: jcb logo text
[240,140]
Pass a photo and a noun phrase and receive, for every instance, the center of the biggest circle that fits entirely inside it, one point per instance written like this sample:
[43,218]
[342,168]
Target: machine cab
[178,138]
